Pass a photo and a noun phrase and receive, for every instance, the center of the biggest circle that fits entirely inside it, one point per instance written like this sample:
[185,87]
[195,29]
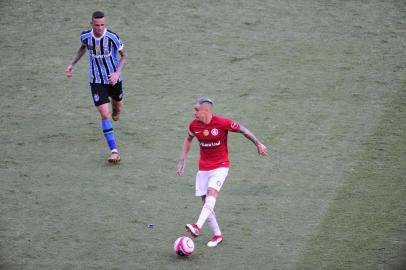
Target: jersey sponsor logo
[214,132]
[210,144]
[205,132]
[101,56]
[234,125]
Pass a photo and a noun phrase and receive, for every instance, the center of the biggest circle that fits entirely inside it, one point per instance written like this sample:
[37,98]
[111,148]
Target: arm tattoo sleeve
[249,135]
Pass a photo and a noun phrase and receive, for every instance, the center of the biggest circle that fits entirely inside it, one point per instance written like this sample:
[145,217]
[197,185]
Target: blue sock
[108,131]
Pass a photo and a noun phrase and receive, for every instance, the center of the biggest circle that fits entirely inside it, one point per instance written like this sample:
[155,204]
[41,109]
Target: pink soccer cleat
[217,239]
[193,229]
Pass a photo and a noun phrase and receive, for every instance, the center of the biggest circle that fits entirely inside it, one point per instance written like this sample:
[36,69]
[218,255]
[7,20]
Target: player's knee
[212,192]
[104,111]
[105,115]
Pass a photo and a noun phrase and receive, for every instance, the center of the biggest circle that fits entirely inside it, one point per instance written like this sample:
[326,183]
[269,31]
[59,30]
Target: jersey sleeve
[230,125]
[190,130]
[83,40]
[117,42]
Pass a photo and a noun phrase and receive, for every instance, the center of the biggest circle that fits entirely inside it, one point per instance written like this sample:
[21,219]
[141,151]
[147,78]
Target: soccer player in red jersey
[211,131]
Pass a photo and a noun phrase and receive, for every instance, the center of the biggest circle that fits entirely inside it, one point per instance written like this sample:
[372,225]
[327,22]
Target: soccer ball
[184,246]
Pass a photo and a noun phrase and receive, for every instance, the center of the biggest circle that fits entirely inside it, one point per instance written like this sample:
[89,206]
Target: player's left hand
[113,78]
[262,150]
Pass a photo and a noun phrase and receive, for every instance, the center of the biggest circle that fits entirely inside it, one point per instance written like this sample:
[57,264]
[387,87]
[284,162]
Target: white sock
[212,222]
[208,208]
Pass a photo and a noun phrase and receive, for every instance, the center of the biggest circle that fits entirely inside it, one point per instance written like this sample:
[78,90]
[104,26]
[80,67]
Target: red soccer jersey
[213,141]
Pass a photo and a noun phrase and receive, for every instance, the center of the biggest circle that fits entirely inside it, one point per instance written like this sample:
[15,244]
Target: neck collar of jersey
[105,30]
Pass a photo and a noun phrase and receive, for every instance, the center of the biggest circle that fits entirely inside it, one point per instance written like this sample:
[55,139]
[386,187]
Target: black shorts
[102,92]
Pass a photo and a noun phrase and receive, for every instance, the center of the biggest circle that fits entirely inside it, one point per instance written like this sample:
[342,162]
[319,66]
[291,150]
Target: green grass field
[321,83]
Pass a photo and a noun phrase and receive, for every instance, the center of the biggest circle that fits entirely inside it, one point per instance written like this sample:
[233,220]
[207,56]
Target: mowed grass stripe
[365,226]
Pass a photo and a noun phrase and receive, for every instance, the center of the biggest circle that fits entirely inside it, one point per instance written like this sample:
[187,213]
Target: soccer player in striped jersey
[104,74]
[211,131]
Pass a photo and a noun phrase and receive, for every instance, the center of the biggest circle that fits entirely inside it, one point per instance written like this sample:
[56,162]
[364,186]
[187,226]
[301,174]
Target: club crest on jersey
[96,97]
[205,132]
[214,132]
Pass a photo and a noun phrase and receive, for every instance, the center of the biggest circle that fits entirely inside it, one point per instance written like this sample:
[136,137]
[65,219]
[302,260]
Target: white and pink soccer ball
[184,246]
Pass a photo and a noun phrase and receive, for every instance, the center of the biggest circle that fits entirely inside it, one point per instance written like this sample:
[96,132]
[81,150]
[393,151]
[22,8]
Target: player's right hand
[69,71]
[181,167]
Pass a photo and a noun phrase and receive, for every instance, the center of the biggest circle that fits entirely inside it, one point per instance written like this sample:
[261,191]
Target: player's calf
[116,114]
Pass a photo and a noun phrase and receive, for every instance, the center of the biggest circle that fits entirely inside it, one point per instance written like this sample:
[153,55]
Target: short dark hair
[97,15]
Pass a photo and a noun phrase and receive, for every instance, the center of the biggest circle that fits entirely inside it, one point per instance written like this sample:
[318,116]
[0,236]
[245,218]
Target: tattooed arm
[262,151]
[113,78]
[183,154]
[76,58]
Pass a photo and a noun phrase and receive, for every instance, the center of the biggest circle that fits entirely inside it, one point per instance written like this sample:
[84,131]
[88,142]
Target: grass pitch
[322,83]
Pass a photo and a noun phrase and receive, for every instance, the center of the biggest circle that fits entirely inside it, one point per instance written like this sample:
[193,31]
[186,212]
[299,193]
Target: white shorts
[214,179]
